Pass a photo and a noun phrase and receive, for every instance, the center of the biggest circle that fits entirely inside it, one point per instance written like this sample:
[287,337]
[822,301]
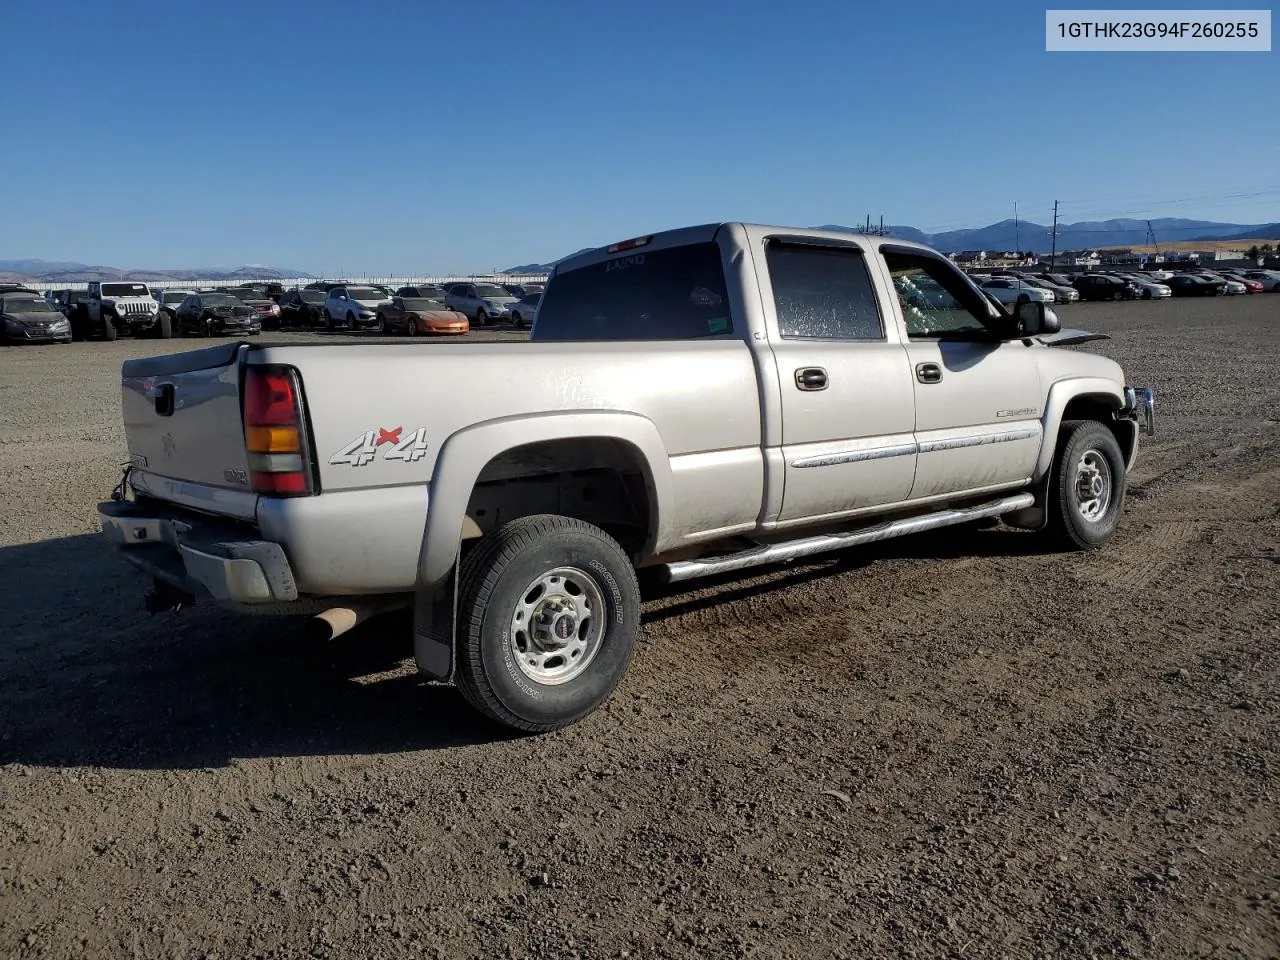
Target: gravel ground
[947,746]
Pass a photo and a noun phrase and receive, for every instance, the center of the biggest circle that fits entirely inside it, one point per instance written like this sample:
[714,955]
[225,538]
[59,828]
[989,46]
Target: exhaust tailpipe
[332,623]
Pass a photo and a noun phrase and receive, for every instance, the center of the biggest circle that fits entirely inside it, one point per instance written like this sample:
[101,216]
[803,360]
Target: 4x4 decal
[387,443]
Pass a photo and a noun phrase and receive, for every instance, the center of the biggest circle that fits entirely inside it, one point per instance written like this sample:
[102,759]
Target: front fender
[1061,393]
[464,455]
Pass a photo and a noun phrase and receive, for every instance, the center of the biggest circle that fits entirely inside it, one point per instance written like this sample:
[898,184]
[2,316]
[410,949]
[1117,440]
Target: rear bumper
[215,562]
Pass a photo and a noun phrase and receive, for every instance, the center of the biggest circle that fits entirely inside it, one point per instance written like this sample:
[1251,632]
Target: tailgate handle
[163,397]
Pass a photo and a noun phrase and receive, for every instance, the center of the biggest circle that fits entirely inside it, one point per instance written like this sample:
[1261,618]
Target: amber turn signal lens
[272,440]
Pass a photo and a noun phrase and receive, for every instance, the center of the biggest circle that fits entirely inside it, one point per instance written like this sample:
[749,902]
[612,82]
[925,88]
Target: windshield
[429,292]
[423,303]
[172,297]
[312,296]
[673,294]
[489,290]
[124,290]
[365,293]
[248,294]
[219,300]
[26,306]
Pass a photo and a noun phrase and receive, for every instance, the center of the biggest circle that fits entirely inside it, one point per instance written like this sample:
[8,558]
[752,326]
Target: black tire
[412,329]
[496,578]
[203,328]
[1117,296]
[517,320]
[1146,294]
[351,322]
[482,318]
[329,323]
[1069,525]
[109,331]
[164,327]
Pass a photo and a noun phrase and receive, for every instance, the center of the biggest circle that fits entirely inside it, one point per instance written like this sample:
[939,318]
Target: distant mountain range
[50,272]
[1038,238]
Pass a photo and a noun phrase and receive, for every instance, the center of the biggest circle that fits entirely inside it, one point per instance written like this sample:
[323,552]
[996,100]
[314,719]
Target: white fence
[292,282]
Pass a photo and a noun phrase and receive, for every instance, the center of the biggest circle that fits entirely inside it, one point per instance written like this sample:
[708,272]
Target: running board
[807,547]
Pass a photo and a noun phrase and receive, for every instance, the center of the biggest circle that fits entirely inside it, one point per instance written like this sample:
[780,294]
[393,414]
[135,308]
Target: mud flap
[434,612]
[1034,517]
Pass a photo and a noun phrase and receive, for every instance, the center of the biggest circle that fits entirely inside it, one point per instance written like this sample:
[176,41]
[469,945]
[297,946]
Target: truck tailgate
[182,417]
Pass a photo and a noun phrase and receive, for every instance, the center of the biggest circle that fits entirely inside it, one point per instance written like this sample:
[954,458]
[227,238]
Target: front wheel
[164,327]
[109,330]
[1086,488]
[549,612]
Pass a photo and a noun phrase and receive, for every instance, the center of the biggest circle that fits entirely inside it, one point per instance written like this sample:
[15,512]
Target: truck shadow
[87,677]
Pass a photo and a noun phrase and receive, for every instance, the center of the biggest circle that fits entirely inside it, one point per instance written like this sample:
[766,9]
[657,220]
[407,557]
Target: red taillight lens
[275,438]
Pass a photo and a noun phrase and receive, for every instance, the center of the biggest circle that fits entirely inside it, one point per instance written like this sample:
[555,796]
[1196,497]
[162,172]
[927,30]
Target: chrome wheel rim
[1092,486]
[557,626]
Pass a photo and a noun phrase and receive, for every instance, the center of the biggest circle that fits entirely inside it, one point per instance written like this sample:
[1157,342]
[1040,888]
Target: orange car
[415,315]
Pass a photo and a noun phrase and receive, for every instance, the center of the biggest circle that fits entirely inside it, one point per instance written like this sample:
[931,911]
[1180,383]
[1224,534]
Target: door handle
[928,372]
[811,378]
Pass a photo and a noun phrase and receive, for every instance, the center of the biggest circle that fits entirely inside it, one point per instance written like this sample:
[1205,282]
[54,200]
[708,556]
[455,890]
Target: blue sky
[397,136]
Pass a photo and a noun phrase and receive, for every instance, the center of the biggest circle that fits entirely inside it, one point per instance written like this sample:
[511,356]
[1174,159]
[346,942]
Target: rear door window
[674,294]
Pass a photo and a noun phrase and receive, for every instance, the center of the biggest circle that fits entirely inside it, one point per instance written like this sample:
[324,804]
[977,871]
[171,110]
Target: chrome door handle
[928,372]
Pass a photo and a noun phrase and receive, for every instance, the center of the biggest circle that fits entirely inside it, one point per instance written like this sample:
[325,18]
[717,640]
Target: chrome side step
[808,546]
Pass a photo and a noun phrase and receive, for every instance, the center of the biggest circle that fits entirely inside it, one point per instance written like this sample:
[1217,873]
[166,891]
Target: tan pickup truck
[697,401]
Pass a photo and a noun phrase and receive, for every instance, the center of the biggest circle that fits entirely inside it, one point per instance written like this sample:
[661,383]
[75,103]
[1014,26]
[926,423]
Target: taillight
[274,433]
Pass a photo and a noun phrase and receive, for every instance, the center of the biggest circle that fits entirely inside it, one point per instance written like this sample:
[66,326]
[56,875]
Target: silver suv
[482,302]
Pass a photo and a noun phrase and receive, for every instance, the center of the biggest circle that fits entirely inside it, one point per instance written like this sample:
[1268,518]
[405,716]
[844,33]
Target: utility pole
[1053,253]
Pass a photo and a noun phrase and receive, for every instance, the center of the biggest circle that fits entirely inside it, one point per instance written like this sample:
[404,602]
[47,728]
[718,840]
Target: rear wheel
[549,612]
[1086,488]
[482,318]
[164,327]
[1117,295]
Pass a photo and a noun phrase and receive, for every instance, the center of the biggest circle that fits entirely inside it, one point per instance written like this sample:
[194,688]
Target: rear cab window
[676,293]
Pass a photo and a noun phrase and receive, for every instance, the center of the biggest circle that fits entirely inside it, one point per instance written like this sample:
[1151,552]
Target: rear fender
[461,460]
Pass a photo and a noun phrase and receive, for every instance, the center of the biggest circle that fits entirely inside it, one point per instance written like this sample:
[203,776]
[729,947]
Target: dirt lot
[952,746]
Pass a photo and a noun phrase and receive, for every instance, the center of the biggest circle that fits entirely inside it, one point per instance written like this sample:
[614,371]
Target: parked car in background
[1013,291]
[170,301]
[353,306]
[1099,286]
[482,302]
[27,317]
[419,315]
[115,307]
[523,289]
[268,310]
[1270,279]
[325,285]
[302,308]
[1250,285]
[211,313]
[426,291]
[1060,279]
[1148,289]
[1232,288]
[1061,293]
[525,309]
[1193,285]
[67,302]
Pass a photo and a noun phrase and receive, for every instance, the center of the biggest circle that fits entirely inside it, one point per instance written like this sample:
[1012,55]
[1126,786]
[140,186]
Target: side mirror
[1034,318]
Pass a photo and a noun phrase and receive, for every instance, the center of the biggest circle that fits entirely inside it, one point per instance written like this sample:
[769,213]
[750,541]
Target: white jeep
[114,307]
